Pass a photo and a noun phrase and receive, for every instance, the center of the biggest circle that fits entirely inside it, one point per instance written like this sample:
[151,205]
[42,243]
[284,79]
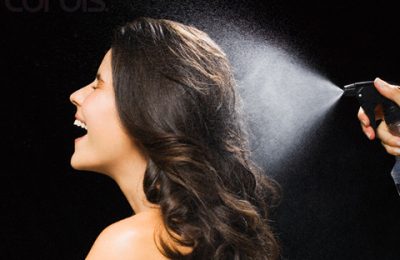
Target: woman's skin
[388,140]
[108,149]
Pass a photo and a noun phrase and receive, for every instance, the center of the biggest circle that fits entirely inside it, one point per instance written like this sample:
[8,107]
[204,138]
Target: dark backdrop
[339,202]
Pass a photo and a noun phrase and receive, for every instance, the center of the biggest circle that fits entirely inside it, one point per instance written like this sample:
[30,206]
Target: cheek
[99,110]
[105,132]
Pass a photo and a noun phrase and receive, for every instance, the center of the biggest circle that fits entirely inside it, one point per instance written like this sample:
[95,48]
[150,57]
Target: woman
[163,120]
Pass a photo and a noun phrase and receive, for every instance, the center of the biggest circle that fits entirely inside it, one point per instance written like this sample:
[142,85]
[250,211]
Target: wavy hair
[176,96]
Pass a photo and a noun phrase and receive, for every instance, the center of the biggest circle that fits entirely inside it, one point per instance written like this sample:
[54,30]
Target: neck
[129,177]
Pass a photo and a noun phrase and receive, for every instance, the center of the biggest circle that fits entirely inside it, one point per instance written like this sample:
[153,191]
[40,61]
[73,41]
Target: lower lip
[79,138]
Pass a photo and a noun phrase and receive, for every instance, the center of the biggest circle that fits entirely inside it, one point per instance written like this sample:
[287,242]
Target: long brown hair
[176,96]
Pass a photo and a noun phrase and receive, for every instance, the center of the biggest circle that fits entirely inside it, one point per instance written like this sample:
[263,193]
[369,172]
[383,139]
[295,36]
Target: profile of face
[106,147]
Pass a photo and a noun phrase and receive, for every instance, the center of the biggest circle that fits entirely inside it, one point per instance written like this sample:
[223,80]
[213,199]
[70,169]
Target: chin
[79,165]
[84,166]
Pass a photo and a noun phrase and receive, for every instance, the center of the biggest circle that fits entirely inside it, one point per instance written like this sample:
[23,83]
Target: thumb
[387,90]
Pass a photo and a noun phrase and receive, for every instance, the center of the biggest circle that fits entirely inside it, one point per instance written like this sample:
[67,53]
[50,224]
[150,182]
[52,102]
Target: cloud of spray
[285,100]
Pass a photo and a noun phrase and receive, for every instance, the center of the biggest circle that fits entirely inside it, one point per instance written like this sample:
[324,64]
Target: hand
[388,140]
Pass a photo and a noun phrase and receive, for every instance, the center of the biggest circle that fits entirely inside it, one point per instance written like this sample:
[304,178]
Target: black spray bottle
[369,99]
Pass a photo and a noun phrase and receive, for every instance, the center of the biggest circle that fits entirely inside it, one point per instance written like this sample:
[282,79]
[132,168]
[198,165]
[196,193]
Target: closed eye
[97,85]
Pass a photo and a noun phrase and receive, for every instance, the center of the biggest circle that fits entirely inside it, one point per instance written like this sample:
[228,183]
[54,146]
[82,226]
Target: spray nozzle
[369,98]
[352,90]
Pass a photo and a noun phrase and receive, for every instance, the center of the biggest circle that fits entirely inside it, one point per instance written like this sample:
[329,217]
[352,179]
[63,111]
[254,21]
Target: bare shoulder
[131,238]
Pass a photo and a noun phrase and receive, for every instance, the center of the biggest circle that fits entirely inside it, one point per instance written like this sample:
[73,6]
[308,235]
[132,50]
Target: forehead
[105,66]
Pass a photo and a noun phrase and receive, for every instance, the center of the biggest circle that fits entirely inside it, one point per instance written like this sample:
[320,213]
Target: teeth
[80,124]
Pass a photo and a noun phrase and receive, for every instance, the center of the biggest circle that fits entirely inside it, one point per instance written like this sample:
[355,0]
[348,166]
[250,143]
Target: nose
[74,98]
[79,96]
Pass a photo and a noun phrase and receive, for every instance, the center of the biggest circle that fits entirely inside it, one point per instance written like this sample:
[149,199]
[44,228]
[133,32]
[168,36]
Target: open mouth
[80,130]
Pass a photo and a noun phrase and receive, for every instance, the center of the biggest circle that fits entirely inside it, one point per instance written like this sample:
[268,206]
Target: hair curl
[175,94]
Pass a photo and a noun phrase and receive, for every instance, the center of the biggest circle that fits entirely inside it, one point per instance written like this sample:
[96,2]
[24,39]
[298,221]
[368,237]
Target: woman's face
[106,145]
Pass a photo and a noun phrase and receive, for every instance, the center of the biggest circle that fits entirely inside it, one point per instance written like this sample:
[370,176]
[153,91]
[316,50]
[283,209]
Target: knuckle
[392,141]
[389,150]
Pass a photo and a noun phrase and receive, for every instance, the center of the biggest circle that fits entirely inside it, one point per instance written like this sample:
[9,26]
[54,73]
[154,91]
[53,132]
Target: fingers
[365,124]
[368,131]
[363,117]
[392,150]
[389,141]
[392,92]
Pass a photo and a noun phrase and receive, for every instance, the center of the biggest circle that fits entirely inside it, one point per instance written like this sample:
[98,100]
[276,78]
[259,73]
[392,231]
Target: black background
[340,202]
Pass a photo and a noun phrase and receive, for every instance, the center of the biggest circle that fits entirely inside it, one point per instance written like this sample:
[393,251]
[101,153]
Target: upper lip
[79,118]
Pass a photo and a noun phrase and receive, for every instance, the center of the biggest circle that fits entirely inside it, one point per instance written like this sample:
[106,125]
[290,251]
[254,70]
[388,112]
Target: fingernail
[363,122]
[397,150]
[380,83]
[368,135]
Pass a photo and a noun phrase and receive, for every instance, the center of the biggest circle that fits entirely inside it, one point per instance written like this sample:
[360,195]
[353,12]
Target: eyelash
[96,86]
